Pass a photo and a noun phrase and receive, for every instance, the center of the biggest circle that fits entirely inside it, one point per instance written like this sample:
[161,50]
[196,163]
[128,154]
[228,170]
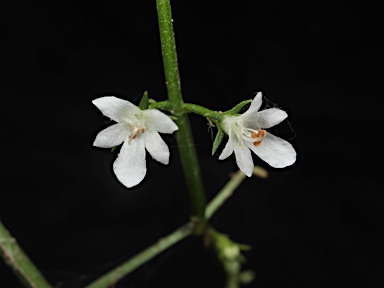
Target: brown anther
[134,136]
[261,134]
[254,134]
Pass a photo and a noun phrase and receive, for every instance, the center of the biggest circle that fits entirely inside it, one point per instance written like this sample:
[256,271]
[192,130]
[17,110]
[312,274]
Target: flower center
[136,129]
[137,125]
[248,134]
[243,133]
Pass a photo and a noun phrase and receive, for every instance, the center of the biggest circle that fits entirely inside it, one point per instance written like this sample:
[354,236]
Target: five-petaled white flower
[246,133]
[138,131]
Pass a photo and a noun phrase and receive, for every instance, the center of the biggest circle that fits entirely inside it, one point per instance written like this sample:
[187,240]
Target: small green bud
[231,252]
[247,277]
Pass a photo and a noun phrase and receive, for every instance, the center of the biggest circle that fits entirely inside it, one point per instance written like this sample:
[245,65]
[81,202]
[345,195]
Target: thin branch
[119,272]
[155,249]
[224,193]
[16,258]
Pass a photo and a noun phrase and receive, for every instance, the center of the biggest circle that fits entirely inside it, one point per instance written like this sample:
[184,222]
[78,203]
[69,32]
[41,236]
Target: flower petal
[277,152]
[255,106]
[244,159]
[115,108]
[112,136]
[160,121]
[270,117]
[156,146]
[130,166]
[228,150]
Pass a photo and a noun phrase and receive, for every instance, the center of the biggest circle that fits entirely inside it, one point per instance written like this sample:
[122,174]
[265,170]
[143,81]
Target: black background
[318,223]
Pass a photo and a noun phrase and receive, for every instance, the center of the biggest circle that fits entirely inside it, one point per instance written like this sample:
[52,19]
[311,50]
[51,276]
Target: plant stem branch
[184,134]
[119,272]
[224,193]
[16,258]
[197,109]
[152,251]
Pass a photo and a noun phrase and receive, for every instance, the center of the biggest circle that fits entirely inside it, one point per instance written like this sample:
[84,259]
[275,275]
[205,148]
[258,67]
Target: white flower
[246,133]
[138,131]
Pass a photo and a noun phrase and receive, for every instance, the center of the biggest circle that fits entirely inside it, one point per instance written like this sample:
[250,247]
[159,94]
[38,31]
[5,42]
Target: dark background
[318,223]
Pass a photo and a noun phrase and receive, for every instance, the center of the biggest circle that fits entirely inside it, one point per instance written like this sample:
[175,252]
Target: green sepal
[238,107]
[144,101]
[173,117]
[219,138]
[114,148]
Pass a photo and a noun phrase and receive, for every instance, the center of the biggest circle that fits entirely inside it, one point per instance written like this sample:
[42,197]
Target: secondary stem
[119,272]
[184,134]
[224,193]
[200,110]
[152,251]
[16,258]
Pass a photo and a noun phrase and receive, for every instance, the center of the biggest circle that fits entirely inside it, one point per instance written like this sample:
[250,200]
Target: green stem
[152,251]
[184,134]
[168,49]
[16,258]
[197,109]
[224,193]
[161,105]
[119,272]
[215,116]
[229,188]
[232,282]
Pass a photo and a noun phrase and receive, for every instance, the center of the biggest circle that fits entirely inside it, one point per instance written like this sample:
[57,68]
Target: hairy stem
[16,258]
[184,134]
